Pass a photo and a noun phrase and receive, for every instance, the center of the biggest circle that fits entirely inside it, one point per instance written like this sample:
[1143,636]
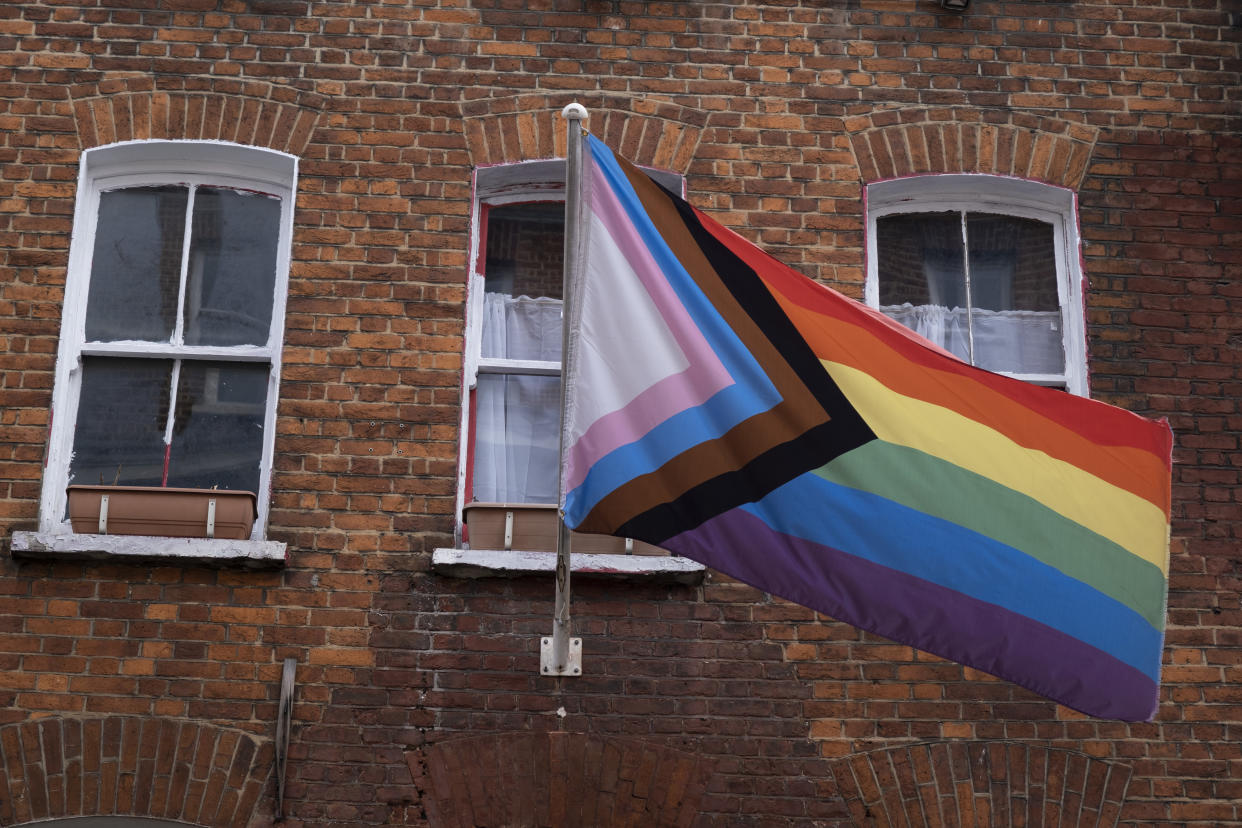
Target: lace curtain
[517,416]
[1019,341]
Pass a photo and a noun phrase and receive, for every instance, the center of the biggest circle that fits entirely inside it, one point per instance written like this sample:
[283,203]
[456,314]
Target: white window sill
[246,553]
[486,563]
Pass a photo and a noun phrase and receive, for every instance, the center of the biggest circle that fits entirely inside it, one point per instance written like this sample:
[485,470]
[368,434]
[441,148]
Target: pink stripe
[690,387]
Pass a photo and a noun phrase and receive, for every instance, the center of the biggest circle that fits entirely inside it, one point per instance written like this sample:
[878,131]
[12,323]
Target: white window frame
[982,193]
[150,163]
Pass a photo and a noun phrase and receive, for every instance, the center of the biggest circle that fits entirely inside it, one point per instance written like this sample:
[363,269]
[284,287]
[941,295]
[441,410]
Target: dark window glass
[1012,266]
[232,269]
[136,264]
[217,424]
[122,416]
[920,259]
[217,436]
[525,249]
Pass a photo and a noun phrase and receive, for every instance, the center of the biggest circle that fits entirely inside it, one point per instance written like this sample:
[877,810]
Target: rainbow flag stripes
[729,409]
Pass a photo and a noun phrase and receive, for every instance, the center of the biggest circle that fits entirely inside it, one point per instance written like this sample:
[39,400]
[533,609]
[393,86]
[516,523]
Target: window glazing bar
[970,302]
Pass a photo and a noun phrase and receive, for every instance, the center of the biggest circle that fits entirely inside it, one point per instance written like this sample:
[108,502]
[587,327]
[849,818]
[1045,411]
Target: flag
[733,411]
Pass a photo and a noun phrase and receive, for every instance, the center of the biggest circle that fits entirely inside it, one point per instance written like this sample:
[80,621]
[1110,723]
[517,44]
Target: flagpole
[561,655]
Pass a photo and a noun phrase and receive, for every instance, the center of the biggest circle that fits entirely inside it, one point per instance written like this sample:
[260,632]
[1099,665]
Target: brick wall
[757,711]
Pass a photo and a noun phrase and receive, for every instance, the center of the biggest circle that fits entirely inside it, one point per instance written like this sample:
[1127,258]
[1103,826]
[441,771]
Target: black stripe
[758,478]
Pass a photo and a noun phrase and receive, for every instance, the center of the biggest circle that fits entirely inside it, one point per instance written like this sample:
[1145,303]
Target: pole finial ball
[574,111]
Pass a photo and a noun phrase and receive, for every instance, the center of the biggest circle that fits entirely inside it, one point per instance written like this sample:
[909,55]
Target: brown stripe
[798,412]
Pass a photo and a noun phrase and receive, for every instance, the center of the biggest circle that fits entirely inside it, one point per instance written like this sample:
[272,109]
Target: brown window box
[532,527]
[162,512]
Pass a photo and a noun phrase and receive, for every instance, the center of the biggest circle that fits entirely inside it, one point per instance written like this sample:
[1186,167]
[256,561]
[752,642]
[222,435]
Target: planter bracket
[211,518]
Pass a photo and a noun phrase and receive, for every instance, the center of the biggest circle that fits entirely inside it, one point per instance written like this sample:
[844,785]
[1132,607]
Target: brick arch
[525,127]
[130,766]
[557,780]
[981,783]
[896,143]
[247,112]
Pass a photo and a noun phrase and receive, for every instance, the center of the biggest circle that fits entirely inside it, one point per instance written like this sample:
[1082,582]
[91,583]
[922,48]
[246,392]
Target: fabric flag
[733,411]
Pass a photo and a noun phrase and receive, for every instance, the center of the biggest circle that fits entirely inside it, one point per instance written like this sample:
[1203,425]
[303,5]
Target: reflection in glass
[516,438]
[920,260]
[122,414]
[136,264]
[523,276]
[1012,266]
[218,425]
[232,269]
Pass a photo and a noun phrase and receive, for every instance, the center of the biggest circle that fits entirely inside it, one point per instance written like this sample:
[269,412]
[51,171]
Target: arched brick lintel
[897,143]
[557,780]
[981,783]
[216,109]
[131,766]
[649,132]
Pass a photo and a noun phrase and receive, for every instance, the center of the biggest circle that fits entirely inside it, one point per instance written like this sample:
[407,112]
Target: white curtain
[1026,342]
[517,416]
[521,327]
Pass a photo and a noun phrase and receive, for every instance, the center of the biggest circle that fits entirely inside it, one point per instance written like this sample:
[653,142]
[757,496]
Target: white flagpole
[559,654]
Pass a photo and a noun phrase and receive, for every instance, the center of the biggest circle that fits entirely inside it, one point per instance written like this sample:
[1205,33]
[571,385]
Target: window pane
[523,274]
[218,428]
[1013,286]
[920,260]
[232,271]
[136,264]
[517,422]
[1012,263]
[922,276]
[122,414]
[521,327]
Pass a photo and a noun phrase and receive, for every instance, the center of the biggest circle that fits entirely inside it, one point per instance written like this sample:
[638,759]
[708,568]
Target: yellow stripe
[1124,518]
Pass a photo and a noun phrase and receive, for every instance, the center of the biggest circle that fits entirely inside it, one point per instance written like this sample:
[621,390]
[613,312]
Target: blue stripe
[887,533]
[751,392]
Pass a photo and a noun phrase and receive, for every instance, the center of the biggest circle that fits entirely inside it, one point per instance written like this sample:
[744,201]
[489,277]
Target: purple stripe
[912,611]
[705,375]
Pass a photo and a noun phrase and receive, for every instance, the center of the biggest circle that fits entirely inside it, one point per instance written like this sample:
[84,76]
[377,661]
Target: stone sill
[250,554]
[486,563]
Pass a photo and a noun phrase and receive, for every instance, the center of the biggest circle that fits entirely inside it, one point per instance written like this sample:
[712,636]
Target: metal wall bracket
[547,658]
[103,515]
[284,717]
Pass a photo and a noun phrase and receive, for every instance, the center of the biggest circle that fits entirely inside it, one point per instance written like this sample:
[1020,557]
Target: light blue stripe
[751,392]
[887,533]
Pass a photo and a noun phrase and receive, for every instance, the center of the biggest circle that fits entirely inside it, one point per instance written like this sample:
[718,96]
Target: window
[517,387]
[984,266]
[174,308]
[511,417]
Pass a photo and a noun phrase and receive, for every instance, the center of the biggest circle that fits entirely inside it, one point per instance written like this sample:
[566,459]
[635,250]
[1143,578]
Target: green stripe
[936,487]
